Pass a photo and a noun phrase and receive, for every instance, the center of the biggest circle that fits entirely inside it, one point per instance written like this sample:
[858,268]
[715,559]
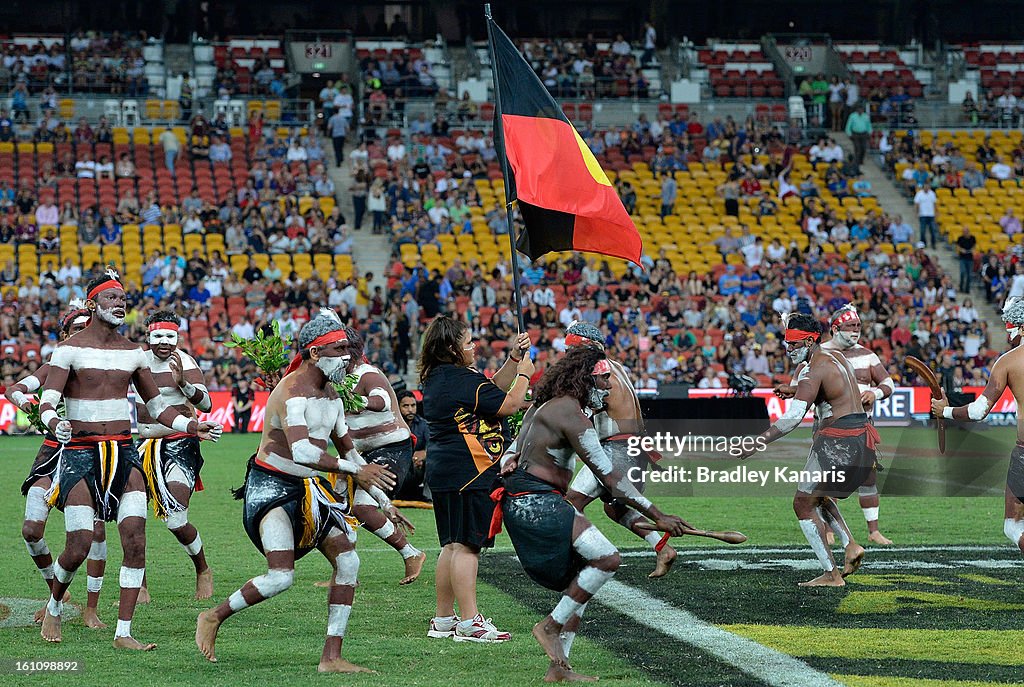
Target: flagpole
[506,174]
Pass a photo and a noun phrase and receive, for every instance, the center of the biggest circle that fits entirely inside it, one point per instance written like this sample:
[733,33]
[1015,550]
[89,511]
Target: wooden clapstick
[729,537]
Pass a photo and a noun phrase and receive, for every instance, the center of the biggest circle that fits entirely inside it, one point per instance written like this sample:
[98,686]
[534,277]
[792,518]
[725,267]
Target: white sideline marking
[757,660]
[763,550]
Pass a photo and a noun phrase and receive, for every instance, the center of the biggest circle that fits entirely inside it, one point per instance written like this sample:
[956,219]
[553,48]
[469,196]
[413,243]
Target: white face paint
[163,336]
[799,355]
[108,316]
[333,368]
[846,339]
[597,398]
[346,360]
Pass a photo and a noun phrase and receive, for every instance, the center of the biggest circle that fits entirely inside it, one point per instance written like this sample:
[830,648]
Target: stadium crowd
[417,184]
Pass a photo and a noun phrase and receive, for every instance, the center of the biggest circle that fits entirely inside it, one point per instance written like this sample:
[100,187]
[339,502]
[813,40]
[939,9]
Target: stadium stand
[740,70]
[587,69]
[877,66]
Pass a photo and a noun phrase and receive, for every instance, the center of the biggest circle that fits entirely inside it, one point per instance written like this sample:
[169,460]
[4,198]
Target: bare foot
[830,538]
[666,558]
[564,673]
[854,558]
[413,566]
[549,638]
[38,616]
[51,627]
[91,619]
[340,665]
[132,643]
[206,634]
[204,584]
[879,538]
[144,597]
[829,579]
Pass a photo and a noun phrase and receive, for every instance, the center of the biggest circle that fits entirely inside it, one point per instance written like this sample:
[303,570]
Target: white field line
[765,664]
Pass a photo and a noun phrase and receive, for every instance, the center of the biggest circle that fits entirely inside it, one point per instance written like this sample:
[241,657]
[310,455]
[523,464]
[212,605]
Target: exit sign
[319,65]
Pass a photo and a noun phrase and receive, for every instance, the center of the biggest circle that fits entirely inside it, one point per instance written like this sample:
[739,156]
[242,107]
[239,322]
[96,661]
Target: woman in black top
[465,412]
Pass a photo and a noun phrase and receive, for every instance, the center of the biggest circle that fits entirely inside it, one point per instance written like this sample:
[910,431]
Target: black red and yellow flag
[565,198]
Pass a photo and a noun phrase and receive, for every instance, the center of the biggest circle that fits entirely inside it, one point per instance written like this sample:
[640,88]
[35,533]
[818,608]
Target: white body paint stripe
[288,466]
[98,358]
[94,410]
[319,415]
[756,660]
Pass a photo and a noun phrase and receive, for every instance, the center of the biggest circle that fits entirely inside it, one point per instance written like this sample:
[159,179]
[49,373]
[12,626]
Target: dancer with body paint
[842,455]
[619,420]
[557,546]
[171,460]
[382,437]
[1006,372]
[290,507]
[98,471]
[34,488]
[874,383]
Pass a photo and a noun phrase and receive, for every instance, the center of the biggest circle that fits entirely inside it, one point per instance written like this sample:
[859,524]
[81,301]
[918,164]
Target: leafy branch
[268,352]
[353,402]
[34,418]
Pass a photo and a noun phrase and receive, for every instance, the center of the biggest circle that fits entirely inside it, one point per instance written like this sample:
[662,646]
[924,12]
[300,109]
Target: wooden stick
[729,537]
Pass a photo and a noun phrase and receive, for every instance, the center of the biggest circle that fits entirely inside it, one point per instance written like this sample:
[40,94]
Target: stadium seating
[999,66]
[979,209]
[740,70]
[876,66]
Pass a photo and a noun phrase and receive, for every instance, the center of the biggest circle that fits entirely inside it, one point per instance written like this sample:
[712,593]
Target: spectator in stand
[1007,104]
[972,177]
[899,231]
[669,192]
[650,44]
[1010,223]
[171,145]
[969,108]
[836,102]
[965,244]
[1000,170]
[220,151]
[925,202]
[858,128]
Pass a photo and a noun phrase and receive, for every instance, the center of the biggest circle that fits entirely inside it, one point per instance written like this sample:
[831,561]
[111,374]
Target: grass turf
[279,642]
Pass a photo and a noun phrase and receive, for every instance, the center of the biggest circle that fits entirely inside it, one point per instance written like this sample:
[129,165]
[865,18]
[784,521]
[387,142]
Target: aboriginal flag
[565,198]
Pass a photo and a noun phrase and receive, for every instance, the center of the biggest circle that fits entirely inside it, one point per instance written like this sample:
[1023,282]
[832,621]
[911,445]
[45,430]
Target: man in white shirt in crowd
[569,314]
[543,296]
[925,201]
[1000,170]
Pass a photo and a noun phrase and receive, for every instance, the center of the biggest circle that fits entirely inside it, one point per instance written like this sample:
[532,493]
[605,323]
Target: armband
[978,408]
[879,394]
[182,424]
[793,417]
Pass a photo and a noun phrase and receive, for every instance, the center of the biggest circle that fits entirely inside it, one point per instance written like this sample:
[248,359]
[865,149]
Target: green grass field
[918,616]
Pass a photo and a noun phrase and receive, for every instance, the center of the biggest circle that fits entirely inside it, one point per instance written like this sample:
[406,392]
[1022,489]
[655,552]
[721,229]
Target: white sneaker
[441,628]
[479,629]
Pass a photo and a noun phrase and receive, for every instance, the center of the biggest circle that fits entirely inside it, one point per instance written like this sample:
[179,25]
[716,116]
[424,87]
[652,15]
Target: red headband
[577,340]
[1011,325]
[602,367]
[322,340]
[100,288]
[795,335]
[328,338]
[848,315]
[163,325]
